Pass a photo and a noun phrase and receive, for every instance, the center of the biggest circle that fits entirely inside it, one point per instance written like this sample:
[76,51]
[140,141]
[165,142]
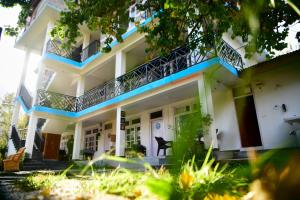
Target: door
[156,131]
[51,147]
[247,120]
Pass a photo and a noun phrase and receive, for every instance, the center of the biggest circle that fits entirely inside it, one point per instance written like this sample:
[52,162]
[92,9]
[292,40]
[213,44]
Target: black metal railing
[26,97]
[92,49]
[56,100]
[158,68]
[39,141]
[230,55]
[54,46]
[17,141]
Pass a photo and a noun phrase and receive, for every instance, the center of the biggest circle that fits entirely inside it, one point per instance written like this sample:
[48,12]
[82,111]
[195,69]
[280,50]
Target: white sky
[11,59]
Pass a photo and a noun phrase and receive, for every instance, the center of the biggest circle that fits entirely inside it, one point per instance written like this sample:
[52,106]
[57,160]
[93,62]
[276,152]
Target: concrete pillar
[77,141]
[17,105]
[50,26]
[16,111]
[120,67]
[120,135]
[145,133]
[40,73]
[80,86]
[86,40]
[206,102]
[30,134]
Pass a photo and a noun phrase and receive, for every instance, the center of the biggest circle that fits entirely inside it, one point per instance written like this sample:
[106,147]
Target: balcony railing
[26,97]
[230,55]
[158,68]
[74,53]
[56,100]
[90,50]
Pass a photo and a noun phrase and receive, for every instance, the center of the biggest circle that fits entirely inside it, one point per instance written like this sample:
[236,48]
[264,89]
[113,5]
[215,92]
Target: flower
[186,180]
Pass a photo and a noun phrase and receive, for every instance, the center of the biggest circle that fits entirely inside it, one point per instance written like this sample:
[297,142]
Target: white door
[156,131]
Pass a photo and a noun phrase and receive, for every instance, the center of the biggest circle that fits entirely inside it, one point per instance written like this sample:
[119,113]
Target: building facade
[108,102]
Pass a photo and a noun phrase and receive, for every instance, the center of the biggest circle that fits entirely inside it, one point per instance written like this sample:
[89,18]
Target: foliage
[188,144]
[201,183]
[24,13]
[70,144]
[205,182]
[40,181]
[177,22]
[6,110]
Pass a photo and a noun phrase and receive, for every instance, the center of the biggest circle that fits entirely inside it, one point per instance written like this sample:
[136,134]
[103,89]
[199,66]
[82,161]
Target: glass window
[133,135]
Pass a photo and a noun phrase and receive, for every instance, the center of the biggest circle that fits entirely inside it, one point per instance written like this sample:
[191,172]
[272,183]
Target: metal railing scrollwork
[54,46]
[56,100]
[230,55]
[158,68]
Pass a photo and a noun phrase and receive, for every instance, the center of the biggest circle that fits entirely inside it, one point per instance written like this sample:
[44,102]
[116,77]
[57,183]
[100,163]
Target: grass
[192,182]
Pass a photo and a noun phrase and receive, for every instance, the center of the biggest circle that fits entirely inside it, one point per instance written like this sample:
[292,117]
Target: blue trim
[228,66]
[26,110]
[54,111]
[81,65]
[167,80]
[63,59]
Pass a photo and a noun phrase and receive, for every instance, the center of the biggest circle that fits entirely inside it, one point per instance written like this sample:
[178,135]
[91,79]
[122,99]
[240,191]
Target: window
[91,139]
[155,115]
[133,132]
[108,126]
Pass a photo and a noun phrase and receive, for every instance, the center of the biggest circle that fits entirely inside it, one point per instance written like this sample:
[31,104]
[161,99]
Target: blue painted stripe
[54,111]
[167,80]
[26,110]
[63,59]
[228,66]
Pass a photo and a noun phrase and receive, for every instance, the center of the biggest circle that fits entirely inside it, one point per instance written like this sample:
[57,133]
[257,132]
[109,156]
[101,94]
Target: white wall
[271,89]
[225,118]
[168,124]
[281,86]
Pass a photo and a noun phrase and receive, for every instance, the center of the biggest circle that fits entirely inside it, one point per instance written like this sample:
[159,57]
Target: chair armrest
[8,161]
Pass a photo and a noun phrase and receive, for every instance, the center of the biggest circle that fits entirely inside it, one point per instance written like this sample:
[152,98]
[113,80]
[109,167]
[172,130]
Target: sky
[11,59]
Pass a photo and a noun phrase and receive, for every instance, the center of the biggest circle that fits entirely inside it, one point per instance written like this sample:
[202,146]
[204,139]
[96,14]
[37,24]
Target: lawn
[273,175]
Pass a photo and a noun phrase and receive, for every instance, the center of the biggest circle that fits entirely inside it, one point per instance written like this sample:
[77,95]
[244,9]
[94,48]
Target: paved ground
[65,190]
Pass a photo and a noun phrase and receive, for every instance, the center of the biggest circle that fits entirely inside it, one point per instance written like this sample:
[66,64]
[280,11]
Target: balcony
[158,68]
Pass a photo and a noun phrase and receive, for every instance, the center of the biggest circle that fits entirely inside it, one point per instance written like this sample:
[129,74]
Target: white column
[17,105]
[30,134]
[50,26]
[78,127]
[120,135]
[15,116]
[80,86]
[145,132]
[206,102]
[77,141]
[86,40]
[120,67]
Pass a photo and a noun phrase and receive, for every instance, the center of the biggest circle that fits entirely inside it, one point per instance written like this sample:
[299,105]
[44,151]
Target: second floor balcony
[178,60]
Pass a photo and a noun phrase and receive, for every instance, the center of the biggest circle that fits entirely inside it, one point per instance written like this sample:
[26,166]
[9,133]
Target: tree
[6,110]
[263,24]
[25,12]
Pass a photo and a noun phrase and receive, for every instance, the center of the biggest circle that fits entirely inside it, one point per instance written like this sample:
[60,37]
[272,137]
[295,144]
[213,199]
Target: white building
[84,88]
